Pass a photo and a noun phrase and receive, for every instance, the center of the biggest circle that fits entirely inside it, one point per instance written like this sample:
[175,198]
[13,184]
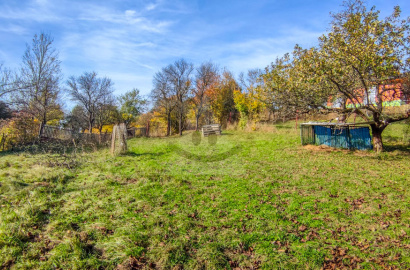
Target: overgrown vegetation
[246,200]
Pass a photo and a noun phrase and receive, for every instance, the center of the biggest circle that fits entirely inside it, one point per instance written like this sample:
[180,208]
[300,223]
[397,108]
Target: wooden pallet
[211,129]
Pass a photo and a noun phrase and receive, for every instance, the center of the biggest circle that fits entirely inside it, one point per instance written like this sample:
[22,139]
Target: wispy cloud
[15,29]
[151,6]
[130,40]
[29,14]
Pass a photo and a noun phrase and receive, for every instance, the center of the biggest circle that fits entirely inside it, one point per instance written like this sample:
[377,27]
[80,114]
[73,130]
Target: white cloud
[15,29]
[130,13]
[129,43]
[151,7]
[129,17]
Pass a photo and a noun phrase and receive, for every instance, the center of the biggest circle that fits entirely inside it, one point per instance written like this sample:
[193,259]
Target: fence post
[119,136]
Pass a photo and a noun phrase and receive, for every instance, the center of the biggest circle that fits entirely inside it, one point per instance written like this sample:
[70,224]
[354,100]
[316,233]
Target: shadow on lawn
[133,154]
[397,151]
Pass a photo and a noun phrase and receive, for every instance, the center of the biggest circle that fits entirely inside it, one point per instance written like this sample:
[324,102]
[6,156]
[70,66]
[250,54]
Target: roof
[337,124]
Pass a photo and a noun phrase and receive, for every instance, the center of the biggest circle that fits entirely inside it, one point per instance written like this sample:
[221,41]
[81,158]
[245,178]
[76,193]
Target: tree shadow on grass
[394,152]
[397,148]
[133,154]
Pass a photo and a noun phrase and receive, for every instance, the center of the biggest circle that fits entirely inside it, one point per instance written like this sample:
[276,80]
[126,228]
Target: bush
[18,130]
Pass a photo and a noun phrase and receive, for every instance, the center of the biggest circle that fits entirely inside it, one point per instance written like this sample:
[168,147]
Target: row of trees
[205,92]
[348,72]
[351,66]
[36,89]
[360,65]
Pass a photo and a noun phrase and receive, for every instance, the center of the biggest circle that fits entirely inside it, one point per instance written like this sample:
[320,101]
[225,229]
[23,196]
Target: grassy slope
[250,200]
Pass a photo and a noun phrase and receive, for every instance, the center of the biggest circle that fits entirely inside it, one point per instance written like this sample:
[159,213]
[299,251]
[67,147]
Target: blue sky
[129,41]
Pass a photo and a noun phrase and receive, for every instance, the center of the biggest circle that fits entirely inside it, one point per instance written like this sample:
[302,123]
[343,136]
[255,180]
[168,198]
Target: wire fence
[57,133]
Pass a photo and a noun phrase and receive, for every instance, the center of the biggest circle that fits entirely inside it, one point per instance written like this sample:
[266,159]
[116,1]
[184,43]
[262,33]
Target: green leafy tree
[77,119]
[363,52]
[351,65]
[132,104]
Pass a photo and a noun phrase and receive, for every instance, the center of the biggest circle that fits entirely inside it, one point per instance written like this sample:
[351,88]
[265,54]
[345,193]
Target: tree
[4,111]
[350,67]
[107,112]
[359,57]
[163,97]
[5,81]
[206,77]
[180,81]
[20,129]
[89,90]
[77,119]
[39,80]
[131,106]
[222,98]
[406,87]
[247,97]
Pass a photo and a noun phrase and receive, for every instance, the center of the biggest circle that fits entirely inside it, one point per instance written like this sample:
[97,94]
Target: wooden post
[113,138]
[119,139]
[296,124]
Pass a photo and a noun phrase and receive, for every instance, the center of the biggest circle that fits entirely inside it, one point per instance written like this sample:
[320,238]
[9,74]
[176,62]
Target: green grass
[249,200]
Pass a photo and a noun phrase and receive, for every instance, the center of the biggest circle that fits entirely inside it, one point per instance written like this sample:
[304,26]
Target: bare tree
[162,96]
[89,91]
[206,77]
[5,80]
[39,80]
[179,77]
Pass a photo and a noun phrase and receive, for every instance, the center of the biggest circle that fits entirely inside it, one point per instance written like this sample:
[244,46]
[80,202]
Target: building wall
[390,94]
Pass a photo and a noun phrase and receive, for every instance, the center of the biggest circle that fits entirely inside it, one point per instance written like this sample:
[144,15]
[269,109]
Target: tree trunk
[90,123]
[196,125]
[180,123]
[40,133]
[377,138]
[168,124]
[43,123]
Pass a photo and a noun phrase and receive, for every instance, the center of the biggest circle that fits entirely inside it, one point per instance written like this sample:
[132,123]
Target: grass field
[241,201]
